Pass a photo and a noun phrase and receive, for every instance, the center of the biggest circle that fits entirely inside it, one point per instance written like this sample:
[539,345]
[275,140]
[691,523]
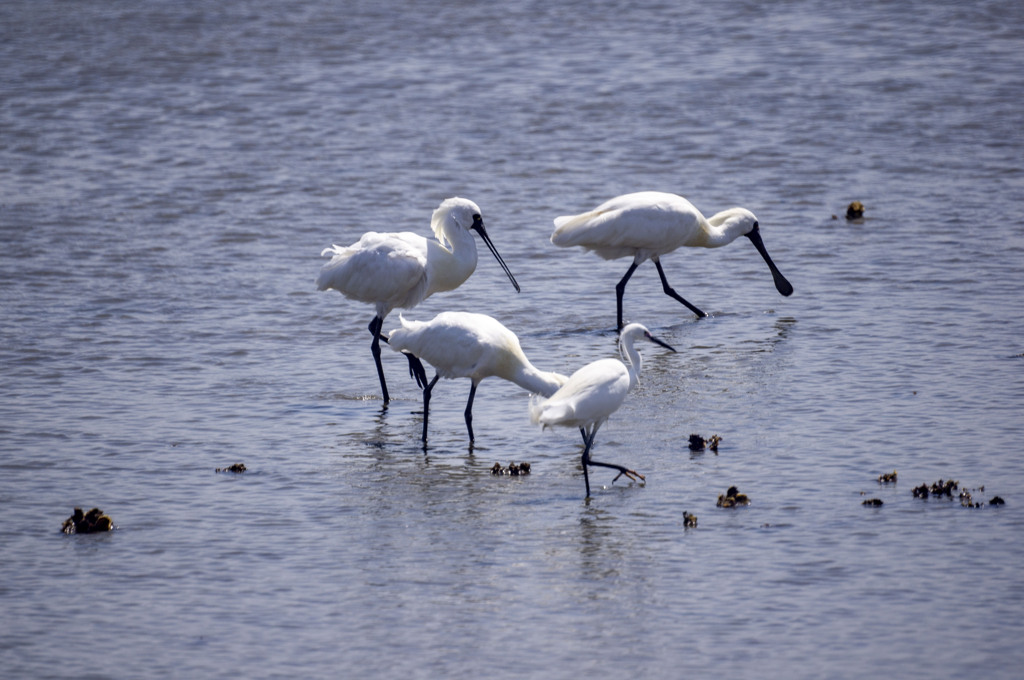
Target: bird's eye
[476,216]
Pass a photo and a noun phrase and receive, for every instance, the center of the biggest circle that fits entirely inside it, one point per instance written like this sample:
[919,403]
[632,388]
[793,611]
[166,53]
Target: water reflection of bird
[649,224]
[474,346]
[401,269]
[593,393]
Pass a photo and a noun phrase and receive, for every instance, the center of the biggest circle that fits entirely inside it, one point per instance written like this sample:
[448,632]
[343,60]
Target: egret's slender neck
[633,361]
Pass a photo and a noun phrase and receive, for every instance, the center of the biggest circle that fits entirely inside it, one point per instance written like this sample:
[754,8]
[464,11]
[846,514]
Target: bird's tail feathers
[567,231]
[544,412]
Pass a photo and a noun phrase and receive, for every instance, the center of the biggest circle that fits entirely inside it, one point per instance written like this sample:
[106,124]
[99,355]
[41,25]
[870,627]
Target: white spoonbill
[649,224]
[401,269]
[474,346]
[593,393]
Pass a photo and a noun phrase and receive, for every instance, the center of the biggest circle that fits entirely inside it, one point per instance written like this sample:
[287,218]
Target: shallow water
[169,175]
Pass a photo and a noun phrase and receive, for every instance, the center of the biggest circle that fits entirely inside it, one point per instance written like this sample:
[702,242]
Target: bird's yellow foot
[631,474]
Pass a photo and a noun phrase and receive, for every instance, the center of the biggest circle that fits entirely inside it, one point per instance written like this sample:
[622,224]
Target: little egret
[474,346]
[593,393]
[649,224]
[401,269]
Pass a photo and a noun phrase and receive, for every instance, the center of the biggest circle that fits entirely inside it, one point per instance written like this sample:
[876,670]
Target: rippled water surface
[170,172]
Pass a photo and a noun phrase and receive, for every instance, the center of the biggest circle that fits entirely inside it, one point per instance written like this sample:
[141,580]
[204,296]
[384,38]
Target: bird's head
[460,213]
[736,221]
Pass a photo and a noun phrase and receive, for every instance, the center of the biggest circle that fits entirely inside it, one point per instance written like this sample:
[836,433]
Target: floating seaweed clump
[90,522]
[731,498]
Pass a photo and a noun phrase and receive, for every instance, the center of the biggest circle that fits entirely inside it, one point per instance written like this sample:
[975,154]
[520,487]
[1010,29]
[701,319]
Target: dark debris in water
[91,522]
[698,443]
[875,502]
[732,498]
[939,488]
[513,469]
[945,489]
[237,468]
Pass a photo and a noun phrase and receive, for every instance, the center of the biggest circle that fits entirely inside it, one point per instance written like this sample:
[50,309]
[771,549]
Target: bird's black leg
[469,411]
[586,457]
[671,291]
[416,369]
[375,327]
[632,474]
[620,288]
[426,403]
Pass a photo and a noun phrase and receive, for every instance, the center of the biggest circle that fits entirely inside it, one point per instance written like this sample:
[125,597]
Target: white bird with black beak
[593,393]
[649,224]
[474,346]
[401,269]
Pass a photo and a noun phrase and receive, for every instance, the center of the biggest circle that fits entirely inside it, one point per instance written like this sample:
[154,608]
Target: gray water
[170,172]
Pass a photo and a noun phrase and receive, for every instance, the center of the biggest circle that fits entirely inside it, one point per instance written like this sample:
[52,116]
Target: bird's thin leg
[620,288]
[588,440]
[469,411]
[375,327]
[426,403]
[671,291]
[632,474]
[416,369]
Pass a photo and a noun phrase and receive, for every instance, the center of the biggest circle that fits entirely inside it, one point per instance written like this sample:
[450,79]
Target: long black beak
[478,225]
[660,342]
[781,284]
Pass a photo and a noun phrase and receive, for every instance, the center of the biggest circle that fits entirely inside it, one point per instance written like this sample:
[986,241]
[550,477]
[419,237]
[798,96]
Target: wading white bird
[592,394]
[474,346]
[401,269]
[649,224]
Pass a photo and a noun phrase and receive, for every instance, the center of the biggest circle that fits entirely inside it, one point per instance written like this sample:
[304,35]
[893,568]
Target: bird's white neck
[632,360]
[456,257]
[725,227]
[537,382]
